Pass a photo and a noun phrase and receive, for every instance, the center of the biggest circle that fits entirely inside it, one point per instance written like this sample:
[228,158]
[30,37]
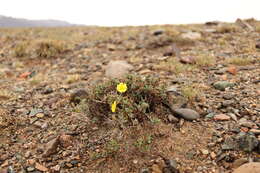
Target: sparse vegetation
[240,61]
[205,60]
[144,96]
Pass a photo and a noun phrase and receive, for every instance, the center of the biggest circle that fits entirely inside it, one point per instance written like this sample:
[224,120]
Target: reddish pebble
[221,117]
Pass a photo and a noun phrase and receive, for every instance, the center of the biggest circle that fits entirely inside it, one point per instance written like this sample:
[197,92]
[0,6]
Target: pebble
[253,167]
[187,114]
[222,85]
[172,119]
[30,169]
[66,140]
[35,111]
[204,151]
[221,117]
[255,131]
[41,167]
[117,69]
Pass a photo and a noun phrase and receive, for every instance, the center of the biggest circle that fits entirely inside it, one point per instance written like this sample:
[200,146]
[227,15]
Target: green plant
[143,99]
[143,143]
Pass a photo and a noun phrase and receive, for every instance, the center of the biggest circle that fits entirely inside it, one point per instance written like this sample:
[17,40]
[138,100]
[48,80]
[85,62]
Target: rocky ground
[212,69]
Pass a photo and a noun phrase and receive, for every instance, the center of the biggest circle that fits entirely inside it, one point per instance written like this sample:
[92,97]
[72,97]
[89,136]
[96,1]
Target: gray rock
[229,144]
[247,142]
[187,114]
[222,85]
[35,111]
[117,69]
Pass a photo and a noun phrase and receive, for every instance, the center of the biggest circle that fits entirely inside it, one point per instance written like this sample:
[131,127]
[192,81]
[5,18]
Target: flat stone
[221,117]
[253,167]
[51,147]
[239,162]
[118,69]
[187,114]
[191,35]
[222,85]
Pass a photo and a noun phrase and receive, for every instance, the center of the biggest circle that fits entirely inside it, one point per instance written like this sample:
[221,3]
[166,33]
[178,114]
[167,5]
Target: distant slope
[18,22]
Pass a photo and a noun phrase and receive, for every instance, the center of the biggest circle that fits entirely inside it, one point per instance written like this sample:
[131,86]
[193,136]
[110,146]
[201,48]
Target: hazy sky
[132,12]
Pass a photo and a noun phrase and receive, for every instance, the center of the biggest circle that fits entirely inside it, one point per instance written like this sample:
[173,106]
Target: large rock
[253,167]
[185,113]
[117,69]
[222,85]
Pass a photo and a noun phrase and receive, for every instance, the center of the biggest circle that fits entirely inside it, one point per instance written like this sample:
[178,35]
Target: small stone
[233,116]
[257,45]
[185,113]
[51,147]
[31,161]
[41,167]
[253,167]
[66,140]
[191,35]
[158,32]
[239,162]
[222,85]
[187,60]
[204,151]
[221,117]
[144,170]
[69,165]
[40,115]
[156,169]
[135,161]
[213,155]
[246,123]
[118,69]
[232,70]
[255,131]
[30,169]
[247,142]
[56,168]
[34,112]
[172,119]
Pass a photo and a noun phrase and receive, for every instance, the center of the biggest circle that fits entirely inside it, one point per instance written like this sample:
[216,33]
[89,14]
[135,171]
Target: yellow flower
[113,107]
[121,87]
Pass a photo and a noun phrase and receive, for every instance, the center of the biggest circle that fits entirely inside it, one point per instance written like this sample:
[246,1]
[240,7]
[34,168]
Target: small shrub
[190,92]
[142,100]
[21,49]
[49,48]
[240,61]
[205,60]
[227,28]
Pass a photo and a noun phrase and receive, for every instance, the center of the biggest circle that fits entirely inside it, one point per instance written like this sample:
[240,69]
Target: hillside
[148,99]
[18,22]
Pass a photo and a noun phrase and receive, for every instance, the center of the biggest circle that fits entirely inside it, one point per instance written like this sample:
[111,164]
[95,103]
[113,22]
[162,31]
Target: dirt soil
[42,131]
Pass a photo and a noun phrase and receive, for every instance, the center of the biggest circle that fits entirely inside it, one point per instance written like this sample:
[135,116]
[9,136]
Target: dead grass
[227,28]
[240,61]
[190,92]
[173,65]
[205,60]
